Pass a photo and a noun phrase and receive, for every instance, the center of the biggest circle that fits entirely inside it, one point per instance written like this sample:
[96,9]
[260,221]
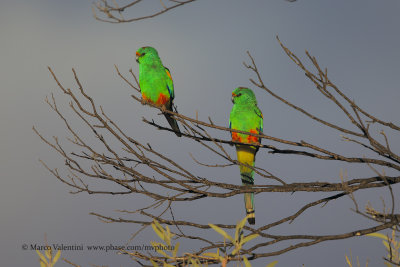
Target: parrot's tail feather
[249,200]
[251,217]
[249,205]
[246,155]
[174,124]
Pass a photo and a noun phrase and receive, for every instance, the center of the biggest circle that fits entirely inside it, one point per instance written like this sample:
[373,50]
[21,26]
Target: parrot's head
[242,95]
[146,53]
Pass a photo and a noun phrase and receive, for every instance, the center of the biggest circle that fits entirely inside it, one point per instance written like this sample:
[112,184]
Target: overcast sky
[204,45]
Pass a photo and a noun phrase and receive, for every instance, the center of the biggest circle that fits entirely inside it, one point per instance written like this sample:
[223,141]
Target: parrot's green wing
[260,115]
[170,83]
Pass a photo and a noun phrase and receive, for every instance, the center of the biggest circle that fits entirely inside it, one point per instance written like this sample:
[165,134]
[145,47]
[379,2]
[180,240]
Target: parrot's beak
[137,56]
[233,97]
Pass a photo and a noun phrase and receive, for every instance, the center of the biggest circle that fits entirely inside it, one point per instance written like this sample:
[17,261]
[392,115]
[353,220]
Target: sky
[204,45]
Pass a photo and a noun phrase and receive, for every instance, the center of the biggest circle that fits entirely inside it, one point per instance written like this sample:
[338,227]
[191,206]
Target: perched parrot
[246,116]
[156,82]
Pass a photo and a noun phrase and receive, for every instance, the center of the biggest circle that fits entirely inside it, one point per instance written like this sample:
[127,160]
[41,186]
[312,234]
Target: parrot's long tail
[246,155]
[174,124]
[249,200]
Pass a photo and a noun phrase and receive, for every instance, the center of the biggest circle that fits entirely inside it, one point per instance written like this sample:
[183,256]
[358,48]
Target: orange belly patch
[162,99]
[236,137]
[252,139]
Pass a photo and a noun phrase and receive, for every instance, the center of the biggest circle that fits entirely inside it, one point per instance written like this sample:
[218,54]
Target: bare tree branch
[137,168]
[112,12]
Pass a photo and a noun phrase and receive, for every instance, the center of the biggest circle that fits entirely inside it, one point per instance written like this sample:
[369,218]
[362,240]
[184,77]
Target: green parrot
[246,116]
[156,82]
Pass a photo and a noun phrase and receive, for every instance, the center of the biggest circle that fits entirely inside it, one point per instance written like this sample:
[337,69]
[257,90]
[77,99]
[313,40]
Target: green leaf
[160,251]
[386,244]
[41,256]
[58,254]
[167,236]
[48,253]
[236,250]
[168,265]
[42,264]
[379,235]
[214,256]
[348,261]
[158,225]
[159,232]
[175,249]
[239,227]
[211,255]
[154,263]
[272,264]
[246,262]
[248,238]
[222,232]
[195,262]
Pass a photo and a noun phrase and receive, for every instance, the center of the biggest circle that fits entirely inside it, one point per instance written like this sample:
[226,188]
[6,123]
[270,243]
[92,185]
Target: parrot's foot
[144,101]
[257,143]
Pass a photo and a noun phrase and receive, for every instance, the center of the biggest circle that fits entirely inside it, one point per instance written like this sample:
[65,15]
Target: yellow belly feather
[245,155]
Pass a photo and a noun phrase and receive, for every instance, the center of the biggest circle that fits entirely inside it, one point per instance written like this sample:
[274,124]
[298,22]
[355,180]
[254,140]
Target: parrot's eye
[238,95]
[138,55]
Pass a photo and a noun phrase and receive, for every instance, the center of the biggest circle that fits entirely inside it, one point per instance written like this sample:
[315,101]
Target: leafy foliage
[48,259]
[392,246]
[237,242]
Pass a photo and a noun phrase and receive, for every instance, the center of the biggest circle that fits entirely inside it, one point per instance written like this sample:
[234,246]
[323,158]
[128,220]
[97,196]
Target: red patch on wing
[162,99]
[252,139]
[144,97]
[236,137]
